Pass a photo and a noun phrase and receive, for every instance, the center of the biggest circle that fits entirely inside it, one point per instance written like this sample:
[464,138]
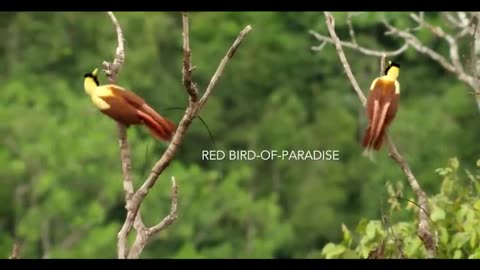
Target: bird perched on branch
[382,105]
[126,107]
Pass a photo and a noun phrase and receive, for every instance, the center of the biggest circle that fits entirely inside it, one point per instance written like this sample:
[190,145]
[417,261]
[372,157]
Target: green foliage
[454,217]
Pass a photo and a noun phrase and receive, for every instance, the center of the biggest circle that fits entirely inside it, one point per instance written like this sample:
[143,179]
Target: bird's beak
[95,72]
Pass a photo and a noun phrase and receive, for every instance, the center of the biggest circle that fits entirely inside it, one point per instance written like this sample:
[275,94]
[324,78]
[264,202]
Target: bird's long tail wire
[222,169]
[200,118]
[145,166]
[145,162]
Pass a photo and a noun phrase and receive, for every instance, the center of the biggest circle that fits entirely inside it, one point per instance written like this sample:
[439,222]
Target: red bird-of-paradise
[126,107]
[382,105]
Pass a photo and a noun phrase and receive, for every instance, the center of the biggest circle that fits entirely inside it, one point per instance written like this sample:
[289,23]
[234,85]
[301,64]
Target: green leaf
[476,206]
[331,250]
[346,233]
[441,171]
[474,240]
[443,236]
[438,214]
[454,163]
[460,239]
[457,254]
[475,255]
[362,225]
[371,230]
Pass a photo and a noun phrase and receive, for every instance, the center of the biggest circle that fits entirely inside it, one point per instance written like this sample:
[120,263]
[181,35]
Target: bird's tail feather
[367,144]
[160,128]
[367,138]
[379,141]
[368,153]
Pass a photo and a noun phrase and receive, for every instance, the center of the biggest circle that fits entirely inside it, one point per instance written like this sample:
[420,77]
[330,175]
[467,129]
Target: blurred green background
[60,171]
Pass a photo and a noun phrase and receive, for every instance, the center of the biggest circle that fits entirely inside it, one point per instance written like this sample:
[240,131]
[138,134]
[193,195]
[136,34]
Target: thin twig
[190,86]
[15,251]
[111,70]
[343,58]
[357,47]
[424,230]
[454,67]
[222,65]
[351,31]
[172,216]
[438,31]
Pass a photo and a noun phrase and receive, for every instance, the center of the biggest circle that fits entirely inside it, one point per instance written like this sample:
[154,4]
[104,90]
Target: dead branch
[462,20]
[111,71]
[146,233]
[355,46]
[424,231]
[453,64]
[343,59]
[133,198]
[190,86]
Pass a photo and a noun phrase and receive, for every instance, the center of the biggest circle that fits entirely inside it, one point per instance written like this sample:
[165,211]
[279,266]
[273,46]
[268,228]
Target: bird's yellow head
[91,81]
[392,71]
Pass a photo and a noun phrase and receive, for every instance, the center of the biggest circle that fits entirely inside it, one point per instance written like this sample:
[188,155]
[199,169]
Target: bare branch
[455,66]
[417,45]
[192,111]
[351,31]
[424,230]
[127,187]
[172,216]
[192,88]
[346,66]
[15,251]
[451,19]
[111,71]
[222,65]
[145,234]
[357,47]
[462,16]
[382,64]
[438,31]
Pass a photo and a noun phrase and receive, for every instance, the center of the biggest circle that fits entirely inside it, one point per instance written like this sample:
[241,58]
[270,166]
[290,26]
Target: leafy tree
[455,213]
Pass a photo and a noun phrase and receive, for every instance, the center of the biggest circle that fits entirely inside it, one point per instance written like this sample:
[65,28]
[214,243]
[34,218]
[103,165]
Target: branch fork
[134,199]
